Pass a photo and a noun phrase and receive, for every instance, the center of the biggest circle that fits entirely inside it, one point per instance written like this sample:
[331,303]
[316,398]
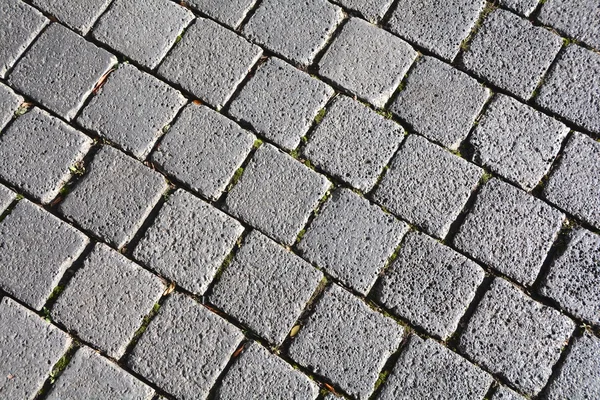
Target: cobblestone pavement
[278,199]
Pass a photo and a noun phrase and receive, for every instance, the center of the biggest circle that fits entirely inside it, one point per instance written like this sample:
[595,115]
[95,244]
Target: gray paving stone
[372,10]
[203,149]
[515,337]
[367,61]
[7,196]
[230,13]
[346,341]
[30,348]
[353,143]
[577,18]
[523,7]
[440,102]
[9,103]
[188,241]
[427,185]
[504,393]
[296,30]
[352,239]
[511,53]
[106,300]
[60,70]
[132,109]
[427,370]
[265,287]
[429,284]
[37,152]
[114,197]
[209,69]
[280,102]
[184,348]
[516,141]
[79,16]
[276,194]
[37,248]
[509,230]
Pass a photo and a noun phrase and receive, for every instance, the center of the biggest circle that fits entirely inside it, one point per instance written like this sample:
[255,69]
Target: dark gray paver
[184,348]
[106,300]
[372,10]
[188,241]
[132,109]
[37,248]
[79,16]
[276,194]
[352,239]
[353,143]
[515,337]
[577,18]
[346,341]
[9,103]
[265,287]
[210,62]
[511,53]
[114,197]
[30,348]
[523,7]
[60,70]
[440,102]
[504,393]
[37,152]
[280,102]
[429,284]
[203,149]
[230,13]
[427,185]
[516,141]
[7,196]
[367,61]
[509,230]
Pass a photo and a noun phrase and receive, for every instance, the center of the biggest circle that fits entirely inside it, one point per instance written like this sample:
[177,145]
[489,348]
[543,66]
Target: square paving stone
[353,143]
[185,348]
[367,61]
[203,149]
[346,341]
[511,53]
[427,185]
[504,393]
[523,7]
[440,102]
[37,152]
[352,239]
[265,287]
[7,196]
[188,241]
[515,337]
[230,13]
[9,103]
[79,16]
[280,102]
[114,197]
[509,230]
[276,194]
[372,10]
[37,248]
[106,300]
[132,109]
[60,70]
[210,62]
[429,284]
[296,30]
[579,19]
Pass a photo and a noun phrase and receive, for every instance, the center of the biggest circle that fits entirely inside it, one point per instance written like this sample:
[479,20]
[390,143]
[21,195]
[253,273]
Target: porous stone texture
[188,241]
[37,248]
[515,337]
[79,16]
[427,370]
[511,53]
[7,196]
[440,102]
[372,10]
[37,153]
[504,393]
[106,300]
[579,19]
[427,185]
[60,70]
[9,104]
[203,149]
[353,143]
[265,287]
[346,341]
[185,348]
[114,197]
[509,230]
[367,61]
[276,194]
[523,7]
[352,239]
[132,109]
[429,284]
[230,13]
[280,102]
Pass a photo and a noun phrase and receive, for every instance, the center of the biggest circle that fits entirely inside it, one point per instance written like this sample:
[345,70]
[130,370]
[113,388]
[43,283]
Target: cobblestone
[230,13]
[504,393]
[9,104]
[79,16]
[7,196]
[523,7]
[579,19]
[371,10]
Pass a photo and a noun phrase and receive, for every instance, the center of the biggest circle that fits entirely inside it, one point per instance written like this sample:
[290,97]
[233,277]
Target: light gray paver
[523,7]
[230,13]
[372,10]
[7,196]
[504,393]
[9,103]
[577,18]
[79,16]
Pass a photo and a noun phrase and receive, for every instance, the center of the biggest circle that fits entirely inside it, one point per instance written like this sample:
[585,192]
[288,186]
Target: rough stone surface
[371,10]
[230,13]
[523,7]
[9,103]
[504,393]
[7,196]
[79,16]
[577,18]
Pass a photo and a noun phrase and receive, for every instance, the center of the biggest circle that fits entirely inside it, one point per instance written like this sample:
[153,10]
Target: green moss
[385,113]
[320,115]
[257,144]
